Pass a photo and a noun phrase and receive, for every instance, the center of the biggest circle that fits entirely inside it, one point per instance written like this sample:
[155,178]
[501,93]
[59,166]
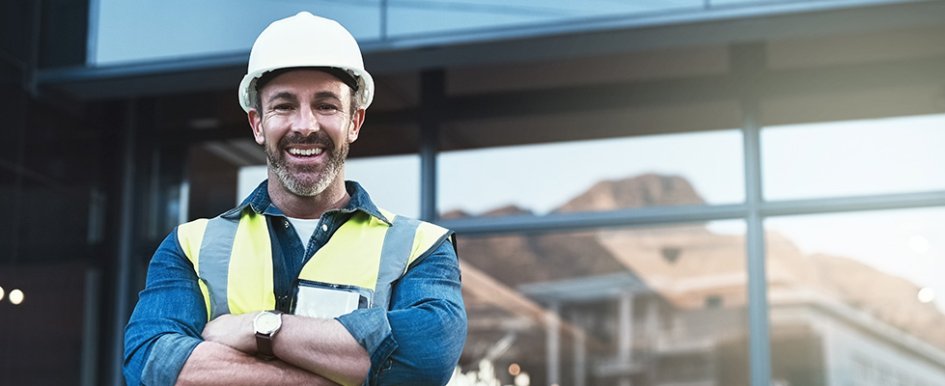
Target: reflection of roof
[785,302]
[585,288]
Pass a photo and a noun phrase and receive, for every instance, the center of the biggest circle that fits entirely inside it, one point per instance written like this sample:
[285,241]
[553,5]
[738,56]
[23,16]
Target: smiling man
[307,281]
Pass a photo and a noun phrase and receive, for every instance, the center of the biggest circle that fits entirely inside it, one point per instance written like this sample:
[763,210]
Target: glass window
[595,175]
[123,32]
[431,17]
[392,181]
[723,3]
[248,179]
[877,156]
[130,31]
[649,306]
[858,298]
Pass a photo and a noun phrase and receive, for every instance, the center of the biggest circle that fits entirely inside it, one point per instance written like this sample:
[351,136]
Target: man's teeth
[306,152]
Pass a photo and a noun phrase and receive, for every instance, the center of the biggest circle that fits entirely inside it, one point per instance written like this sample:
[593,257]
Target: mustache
[316,138]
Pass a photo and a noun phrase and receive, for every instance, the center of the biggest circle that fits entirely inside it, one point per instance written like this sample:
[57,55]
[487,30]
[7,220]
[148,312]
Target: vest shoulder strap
[406,242]
[190,238]
[428,238]
[210,246]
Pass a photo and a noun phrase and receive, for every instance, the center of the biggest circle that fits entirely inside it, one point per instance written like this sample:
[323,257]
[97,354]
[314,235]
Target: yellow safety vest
[233,258]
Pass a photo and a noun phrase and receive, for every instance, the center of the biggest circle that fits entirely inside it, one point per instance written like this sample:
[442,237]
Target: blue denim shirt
[417,341]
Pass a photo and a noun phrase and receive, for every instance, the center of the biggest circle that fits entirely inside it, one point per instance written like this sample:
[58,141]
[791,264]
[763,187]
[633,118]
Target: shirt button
[324,227]
[286,223]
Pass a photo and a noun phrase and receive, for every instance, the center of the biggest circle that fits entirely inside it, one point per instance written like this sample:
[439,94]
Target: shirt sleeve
[166,323]
[419,340]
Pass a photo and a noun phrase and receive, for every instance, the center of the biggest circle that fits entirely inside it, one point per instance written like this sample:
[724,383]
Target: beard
[308,180]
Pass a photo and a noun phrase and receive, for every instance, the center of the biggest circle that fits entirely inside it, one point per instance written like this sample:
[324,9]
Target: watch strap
[264,346]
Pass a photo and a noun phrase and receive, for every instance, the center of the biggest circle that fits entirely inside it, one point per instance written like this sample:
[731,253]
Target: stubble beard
[298,179]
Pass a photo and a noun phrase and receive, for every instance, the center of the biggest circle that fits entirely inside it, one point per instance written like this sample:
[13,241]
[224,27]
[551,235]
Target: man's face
[306,126]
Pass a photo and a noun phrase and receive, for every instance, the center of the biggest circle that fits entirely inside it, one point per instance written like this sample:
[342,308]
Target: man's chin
[305,186]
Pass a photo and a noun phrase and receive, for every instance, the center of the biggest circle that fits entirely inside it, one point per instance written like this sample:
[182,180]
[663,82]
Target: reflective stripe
[214,266]
[190,238]
[251,287]
[398,244]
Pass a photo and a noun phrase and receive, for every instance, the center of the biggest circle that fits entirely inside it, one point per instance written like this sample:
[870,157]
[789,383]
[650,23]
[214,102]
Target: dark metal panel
[432,98]
[125,248]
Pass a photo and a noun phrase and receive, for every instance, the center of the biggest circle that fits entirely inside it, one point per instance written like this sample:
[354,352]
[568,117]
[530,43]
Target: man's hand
[235,331]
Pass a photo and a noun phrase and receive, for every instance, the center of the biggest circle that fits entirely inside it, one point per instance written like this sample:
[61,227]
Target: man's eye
[282,107]
[327,108]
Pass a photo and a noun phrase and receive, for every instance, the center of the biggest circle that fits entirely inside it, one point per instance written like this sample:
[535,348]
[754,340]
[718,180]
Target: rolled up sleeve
[168,318]
[419,340]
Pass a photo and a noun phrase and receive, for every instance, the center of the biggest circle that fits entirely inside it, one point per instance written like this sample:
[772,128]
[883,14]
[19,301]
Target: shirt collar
[260,203]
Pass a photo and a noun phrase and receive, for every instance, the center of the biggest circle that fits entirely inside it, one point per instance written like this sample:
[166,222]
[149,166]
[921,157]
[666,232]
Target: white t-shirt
[304,228]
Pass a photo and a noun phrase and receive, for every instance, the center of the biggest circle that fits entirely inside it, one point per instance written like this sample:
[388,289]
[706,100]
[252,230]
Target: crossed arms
[310,351]
[168,339]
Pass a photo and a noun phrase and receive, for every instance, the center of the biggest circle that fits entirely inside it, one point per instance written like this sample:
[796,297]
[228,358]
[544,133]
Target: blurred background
[659,193]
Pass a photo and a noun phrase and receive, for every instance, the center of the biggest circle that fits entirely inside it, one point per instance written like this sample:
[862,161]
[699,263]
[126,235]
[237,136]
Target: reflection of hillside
[689,269]
[636,192]
[516,260]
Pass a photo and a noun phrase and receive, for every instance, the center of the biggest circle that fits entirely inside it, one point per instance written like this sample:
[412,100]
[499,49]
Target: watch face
[267,322]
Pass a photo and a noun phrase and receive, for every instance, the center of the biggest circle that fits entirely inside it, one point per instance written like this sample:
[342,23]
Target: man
[307,281]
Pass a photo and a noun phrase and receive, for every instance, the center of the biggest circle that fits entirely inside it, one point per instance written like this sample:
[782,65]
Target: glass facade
[881,156]
[125,32]
[865,287]
[645,306]
[721,202]
[595,175]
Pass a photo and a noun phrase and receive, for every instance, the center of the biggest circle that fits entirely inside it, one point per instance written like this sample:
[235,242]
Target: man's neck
[335,196]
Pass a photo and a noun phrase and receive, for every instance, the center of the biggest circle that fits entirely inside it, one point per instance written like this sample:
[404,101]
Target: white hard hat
[306,40]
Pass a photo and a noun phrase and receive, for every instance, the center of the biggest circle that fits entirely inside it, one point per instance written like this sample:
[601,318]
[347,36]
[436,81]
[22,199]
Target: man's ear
[255,121]
[357,119]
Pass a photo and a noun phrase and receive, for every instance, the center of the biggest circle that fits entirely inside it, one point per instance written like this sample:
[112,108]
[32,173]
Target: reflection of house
[852,347]
[667,306]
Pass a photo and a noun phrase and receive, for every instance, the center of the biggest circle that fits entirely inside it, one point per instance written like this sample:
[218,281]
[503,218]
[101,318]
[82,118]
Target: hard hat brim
[248,88]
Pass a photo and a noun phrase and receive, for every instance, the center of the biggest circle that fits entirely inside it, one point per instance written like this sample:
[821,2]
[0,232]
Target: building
[801,125]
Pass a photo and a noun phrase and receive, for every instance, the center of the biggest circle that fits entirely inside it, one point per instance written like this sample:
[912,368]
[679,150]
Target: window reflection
[430,17]
[392,181]
[852,298]
[650,306]
[890,155]
[595,175]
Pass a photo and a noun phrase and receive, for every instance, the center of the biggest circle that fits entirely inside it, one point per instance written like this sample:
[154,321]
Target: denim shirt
[416,341]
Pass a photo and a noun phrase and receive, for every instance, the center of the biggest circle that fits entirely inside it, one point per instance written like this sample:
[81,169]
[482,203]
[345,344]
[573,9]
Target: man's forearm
[322,346]
[216,364]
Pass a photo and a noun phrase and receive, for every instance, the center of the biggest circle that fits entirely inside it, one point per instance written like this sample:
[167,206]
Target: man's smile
[300,152]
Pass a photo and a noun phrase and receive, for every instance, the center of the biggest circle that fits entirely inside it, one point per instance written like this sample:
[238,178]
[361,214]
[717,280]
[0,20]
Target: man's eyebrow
[282,95]
[326,94]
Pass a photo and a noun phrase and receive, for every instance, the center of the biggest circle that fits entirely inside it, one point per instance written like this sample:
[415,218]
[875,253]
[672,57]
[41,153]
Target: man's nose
[306,121]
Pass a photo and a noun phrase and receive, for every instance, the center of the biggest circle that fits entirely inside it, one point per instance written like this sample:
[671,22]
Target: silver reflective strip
[398,242]
[214,262]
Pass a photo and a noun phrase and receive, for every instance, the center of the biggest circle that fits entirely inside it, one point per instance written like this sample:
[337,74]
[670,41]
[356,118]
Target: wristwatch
[266,324]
